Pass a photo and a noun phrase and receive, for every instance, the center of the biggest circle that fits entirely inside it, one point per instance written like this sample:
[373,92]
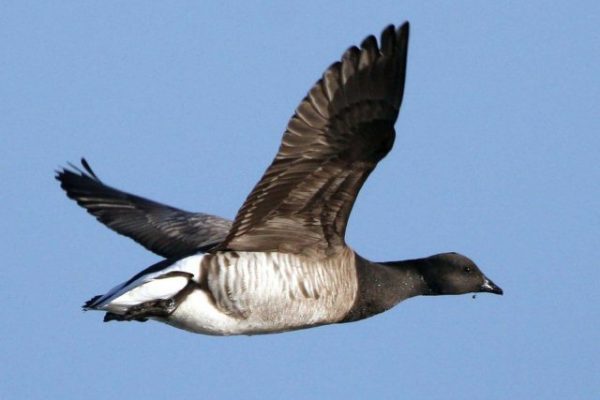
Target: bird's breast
[261,292]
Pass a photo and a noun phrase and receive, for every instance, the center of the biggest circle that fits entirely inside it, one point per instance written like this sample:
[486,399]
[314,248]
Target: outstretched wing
[339,132]
[167,231]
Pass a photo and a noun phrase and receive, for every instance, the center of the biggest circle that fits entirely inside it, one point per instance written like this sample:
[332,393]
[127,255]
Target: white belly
[251,292]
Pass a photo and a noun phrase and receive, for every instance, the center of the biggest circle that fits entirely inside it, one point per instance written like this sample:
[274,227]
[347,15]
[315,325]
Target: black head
[453,273]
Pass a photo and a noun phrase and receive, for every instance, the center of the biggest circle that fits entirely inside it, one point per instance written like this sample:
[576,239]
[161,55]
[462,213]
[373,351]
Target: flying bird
[283,263]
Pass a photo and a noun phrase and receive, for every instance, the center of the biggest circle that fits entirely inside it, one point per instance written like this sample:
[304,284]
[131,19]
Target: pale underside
[249,292]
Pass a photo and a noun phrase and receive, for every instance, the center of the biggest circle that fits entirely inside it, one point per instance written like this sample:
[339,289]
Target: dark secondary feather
[339,132]
[165,230]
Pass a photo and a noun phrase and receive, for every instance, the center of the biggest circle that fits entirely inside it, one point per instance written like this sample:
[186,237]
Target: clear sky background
[497,156]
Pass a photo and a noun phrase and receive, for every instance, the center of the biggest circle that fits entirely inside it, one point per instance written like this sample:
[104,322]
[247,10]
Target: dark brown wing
[339,132]
[165,230]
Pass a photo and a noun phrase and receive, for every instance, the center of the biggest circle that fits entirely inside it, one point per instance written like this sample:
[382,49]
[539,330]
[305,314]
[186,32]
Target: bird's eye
[467,269]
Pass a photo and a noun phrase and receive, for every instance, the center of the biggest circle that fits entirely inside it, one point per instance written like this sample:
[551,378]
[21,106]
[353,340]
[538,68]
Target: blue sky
[496,156]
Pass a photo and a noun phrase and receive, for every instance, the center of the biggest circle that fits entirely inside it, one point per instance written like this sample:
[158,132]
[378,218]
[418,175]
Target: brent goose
[283,263]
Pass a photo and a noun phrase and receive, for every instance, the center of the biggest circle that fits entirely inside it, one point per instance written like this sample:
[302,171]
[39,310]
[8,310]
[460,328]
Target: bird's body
[283,263]
[248,292]
[230,293]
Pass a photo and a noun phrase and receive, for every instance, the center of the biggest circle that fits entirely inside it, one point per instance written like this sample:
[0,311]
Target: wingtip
[58,173]
[403,32]
[401,29]
[88,168]
[72,172]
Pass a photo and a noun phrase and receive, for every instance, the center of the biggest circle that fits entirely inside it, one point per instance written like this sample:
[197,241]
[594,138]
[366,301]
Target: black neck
[383,285]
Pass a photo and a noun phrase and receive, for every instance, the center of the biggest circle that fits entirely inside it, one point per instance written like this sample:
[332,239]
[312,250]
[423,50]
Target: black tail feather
[90,303]
[116,317]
